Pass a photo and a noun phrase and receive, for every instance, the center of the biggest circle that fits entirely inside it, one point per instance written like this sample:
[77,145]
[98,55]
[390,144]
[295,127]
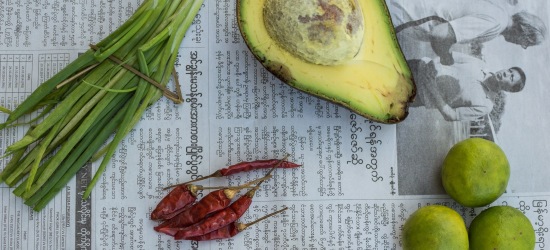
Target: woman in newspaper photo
[445,23]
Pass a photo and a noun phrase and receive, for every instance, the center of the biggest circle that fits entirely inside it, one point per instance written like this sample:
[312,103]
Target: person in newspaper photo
[464,90]
[445,23]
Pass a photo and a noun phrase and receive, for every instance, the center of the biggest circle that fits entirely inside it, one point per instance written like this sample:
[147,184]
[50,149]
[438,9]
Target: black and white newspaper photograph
[489,76]
[274,124]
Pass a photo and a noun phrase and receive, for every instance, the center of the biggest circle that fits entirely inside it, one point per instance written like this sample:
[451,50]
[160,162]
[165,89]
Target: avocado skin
[377,84]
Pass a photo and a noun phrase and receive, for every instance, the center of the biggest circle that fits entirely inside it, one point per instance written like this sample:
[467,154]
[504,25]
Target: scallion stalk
[94,99]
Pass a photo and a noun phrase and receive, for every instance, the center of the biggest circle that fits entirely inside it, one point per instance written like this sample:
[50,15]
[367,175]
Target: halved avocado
[374,82]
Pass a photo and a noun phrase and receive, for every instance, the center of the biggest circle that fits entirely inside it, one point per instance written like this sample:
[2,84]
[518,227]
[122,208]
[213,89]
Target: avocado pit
[324,32]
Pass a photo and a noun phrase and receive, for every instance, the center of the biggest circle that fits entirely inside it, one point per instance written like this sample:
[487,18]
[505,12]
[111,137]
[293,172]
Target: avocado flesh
[376,83]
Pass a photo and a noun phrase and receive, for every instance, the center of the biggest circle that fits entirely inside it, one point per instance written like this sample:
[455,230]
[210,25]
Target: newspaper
[359,180]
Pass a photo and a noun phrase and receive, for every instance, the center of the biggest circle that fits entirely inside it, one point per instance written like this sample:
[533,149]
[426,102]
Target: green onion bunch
[88,107]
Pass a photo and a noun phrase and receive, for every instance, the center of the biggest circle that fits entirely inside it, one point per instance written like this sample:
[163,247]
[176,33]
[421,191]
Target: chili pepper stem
[243,226]
[273,168]
[199,187]
[215,174]
[230,193]
[246,185]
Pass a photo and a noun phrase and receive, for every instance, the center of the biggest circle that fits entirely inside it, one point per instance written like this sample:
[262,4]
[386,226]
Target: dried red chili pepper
[174,202]
[249,166]
[219,219]
[212,202]
[254,165]
[222,233]
[231,229]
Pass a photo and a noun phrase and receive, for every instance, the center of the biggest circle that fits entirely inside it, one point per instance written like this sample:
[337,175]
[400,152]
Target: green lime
[435,227]
[475,172]
[502,228]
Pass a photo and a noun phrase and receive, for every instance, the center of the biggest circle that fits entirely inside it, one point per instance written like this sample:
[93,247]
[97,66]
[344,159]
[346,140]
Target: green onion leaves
[98,95]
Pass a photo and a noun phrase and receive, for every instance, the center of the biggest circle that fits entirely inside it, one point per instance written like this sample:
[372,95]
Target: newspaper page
[359,180]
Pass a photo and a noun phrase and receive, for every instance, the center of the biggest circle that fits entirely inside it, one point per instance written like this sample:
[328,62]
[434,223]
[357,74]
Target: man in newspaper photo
[463,91]
[445,23]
